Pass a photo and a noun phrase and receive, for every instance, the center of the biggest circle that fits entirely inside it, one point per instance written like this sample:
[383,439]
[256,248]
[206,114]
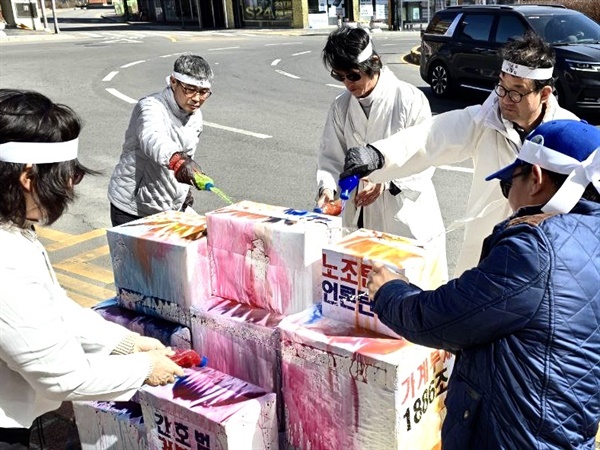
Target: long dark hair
[27,116]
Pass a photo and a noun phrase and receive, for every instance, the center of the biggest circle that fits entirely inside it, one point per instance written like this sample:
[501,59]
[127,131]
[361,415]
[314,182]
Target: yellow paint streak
[73,285]
[52,235]
[74,239]
[171,38]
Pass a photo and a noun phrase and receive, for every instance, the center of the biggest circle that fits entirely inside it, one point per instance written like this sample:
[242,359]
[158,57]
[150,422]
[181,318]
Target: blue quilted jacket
[525,327]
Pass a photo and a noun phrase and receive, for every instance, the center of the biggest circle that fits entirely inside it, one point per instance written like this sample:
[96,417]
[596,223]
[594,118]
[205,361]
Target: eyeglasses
[350,76]
[190,92]
[505,185]
[514,96]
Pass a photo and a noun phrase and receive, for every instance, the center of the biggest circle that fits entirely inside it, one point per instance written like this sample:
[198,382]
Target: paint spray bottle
[205,183]
[347,185]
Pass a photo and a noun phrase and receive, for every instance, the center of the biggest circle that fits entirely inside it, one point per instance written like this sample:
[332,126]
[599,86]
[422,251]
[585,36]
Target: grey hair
[194,66]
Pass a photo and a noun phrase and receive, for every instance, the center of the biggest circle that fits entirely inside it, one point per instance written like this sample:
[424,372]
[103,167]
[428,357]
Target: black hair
[27,116]
[195,66]
[343,47]
[531,51]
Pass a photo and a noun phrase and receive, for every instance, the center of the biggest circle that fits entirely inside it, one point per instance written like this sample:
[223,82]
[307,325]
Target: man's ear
[545,93]
[539,182]
[25,178]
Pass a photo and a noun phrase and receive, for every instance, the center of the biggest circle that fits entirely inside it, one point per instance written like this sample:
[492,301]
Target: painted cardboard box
[242,341]
[209,410]
[268,256]
[162,257]
[347,263]
[110,425]
[171,334]
[347,388]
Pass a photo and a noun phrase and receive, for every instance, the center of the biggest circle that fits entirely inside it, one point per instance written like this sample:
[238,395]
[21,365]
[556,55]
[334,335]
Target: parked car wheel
[439,79]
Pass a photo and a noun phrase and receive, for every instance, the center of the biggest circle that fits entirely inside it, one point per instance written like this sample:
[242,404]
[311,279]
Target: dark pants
[118,217]
[15,436]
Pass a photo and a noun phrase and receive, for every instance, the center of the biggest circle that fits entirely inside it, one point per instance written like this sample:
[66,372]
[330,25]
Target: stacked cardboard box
[248,280]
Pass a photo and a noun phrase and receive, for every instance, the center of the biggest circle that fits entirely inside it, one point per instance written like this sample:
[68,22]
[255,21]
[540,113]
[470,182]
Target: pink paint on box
[347,263]
[240,340]
[209,410]
[268,256]
[347,388]
[163,256]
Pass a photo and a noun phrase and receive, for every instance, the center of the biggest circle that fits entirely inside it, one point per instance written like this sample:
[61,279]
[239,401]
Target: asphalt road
[266,83]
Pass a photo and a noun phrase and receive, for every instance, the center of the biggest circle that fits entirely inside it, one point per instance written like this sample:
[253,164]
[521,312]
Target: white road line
[457,169]
[222,48]
[286,74]
[169,56]
[110,76]
[125,66]
[237,130]
[336,86]
[208,124]
[283,43]
[94,35]
[275,62]
[121,96]
[301,53]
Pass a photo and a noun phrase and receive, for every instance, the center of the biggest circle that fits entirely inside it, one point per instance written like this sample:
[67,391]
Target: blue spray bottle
[347,185]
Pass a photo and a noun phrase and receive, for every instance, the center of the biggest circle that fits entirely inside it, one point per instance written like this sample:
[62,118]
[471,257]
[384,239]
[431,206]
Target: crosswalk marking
[69,240]
[79,287]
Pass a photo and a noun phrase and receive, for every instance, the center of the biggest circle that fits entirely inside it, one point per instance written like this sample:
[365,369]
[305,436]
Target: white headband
[38,152]
[532,73]
[580,174]
[190,80]
[366,53]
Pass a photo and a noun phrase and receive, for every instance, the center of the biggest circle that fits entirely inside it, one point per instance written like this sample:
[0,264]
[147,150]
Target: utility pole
[55,19]
[44,16]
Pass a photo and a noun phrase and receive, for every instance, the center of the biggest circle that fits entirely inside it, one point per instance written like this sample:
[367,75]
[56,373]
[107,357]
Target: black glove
[362,161]
[184,167]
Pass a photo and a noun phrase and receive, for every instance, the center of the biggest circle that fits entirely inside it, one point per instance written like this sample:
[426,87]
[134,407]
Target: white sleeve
[447,138]
[332,151]
[37,341]
[154,131]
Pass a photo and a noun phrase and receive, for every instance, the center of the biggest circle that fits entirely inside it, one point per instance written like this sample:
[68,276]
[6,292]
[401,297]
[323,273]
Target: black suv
[460,48]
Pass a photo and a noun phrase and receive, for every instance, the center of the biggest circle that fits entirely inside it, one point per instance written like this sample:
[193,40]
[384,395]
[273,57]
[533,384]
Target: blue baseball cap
[568,147]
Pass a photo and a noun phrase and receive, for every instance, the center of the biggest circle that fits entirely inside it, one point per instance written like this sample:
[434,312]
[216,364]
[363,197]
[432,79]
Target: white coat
[52,349]
[477,132]
[415,211]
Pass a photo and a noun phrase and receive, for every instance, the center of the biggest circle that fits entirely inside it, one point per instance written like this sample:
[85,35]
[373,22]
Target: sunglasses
[505,185]
[350,76]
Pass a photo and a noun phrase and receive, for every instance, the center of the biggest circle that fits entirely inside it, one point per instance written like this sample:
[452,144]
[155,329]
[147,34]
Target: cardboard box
[110,425]
[242,341]
[209,410]
[347,263]
[347,388]
[163,257]
[268,256]
[171,334]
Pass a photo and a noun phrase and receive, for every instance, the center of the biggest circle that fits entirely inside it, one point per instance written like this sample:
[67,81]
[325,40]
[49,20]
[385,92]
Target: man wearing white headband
[524,322]
[490,134]
[156,167]
[375,105]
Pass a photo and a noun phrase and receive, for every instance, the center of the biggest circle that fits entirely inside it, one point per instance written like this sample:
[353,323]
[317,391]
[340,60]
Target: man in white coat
[490,134]
[376,105]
